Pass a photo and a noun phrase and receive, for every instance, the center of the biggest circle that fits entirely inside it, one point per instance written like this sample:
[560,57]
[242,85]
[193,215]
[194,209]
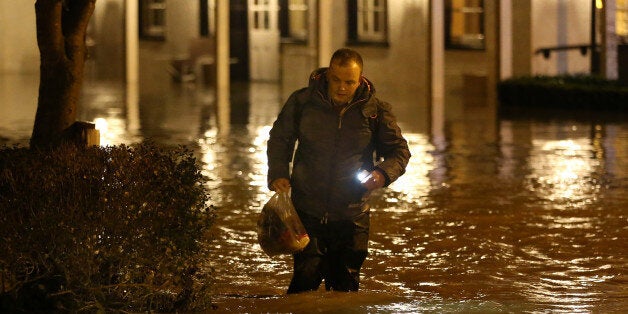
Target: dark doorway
[239,41]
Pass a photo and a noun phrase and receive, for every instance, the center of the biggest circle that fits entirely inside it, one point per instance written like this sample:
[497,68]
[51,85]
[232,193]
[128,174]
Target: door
[238,39]
[264,39]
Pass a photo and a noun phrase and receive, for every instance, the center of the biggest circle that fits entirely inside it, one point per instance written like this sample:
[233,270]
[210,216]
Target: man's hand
[376,180]
[280,185]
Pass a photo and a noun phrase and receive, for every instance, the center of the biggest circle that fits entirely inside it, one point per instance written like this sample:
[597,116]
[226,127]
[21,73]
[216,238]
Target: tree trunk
[61,30]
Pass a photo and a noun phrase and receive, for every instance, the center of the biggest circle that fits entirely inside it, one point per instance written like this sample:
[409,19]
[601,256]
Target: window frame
[358,35]
[149,27]
[477,43]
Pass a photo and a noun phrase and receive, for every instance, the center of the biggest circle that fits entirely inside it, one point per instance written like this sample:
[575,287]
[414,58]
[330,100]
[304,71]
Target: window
[294,20]
[368,21]
[153,19]
[464,24]
[261,15]
[621,20]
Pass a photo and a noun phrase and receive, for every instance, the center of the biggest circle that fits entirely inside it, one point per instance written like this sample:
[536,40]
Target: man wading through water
[339,124]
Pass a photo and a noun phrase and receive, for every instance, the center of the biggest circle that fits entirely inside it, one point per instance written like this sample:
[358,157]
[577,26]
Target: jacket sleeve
[391,145]
[283,135]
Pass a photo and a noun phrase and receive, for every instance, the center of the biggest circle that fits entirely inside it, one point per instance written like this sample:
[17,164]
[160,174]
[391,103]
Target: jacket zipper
[344,110]
[325,217]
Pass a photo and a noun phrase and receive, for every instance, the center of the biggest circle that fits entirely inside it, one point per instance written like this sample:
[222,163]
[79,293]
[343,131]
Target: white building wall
[401,71]
[182,20]
[18,38]
[560,23]
[579,32]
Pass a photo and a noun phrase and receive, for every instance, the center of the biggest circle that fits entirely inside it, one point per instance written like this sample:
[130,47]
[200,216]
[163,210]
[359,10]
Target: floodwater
[514,213]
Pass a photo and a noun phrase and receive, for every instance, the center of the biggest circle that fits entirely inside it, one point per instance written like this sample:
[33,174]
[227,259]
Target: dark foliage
[565,92]
[103,229]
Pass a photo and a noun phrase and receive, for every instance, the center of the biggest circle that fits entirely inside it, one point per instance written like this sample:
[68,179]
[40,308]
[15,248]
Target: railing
[547,50]
[595,55]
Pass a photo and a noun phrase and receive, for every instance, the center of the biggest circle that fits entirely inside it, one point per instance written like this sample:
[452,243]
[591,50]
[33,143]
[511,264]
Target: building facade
[419,52]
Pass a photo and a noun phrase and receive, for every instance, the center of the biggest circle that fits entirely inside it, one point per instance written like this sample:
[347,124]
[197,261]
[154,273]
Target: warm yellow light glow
[260,160]
[621,18]
[113,130]
[415,183]
[101,125]
[217,154]
[599,4]
[562,167]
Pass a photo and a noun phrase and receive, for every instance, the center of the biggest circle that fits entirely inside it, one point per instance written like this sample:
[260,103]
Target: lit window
[368,21]
[621,20]
[153,19]
[464,24]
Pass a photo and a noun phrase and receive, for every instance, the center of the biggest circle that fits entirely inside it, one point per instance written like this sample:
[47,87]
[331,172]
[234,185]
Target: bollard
[83,134]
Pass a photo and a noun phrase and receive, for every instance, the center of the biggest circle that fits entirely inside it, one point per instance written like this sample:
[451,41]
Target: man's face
[343,81]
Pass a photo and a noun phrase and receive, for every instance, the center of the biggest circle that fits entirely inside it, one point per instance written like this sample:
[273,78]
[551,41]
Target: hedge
[103,229]
[566,92]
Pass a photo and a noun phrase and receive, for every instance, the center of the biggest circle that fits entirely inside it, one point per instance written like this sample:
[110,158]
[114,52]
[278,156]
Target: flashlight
[363,176]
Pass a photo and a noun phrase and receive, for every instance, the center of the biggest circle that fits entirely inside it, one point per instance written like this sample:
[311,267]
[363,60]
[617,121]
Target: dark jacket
[333,147]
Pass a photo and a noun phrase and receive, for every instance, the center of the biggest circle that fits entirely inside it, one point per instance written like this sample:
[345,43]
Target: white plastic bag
[279,229]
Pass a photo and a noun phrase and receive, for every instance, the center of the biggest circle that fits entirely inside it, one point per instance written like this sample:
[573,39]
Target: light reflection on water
[530,217]
[563,170]
[414,185]
[477,243]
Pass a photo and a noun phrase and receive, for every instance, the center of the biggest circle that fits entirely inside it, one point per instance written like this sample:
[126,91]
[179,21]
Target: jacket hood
[365,92]
[318,83]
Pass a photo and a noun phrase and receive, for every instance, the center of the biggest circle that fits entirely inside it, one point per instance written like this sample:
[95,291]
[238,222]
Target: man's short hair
[344,56]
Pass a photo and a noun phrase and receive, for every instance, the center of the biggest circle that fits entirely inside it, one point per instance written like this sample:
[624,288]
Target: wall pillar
[437,70]
[609,41]
[325,24]
[223,86]
[505,39]
[522,22]
[132,64]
